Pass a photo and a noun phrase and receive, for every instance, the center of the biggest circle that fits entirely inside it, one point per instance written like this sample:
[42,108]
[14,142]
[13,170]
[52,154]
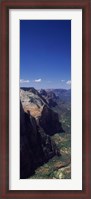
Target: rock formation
[46,118]
[36,147]
[49,96]
[49,121]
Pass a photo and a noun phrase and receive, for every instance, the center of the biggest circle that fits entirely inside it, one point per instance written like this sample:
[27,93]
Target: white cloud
[62,80]
[24,81]
[38,80]
[68,82]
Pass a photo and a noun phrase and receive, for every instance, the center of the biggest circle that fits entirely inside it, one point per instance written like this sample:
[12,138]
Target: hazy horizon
[44,88]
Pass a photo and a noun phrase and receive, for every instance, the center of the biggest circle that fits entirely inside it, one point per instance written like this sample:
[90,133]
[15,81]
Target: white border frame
[75,183]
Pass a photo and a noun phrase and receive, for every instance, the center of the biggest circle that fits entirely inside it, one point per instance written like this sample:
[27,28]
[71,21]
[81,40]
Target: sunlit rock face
[40,109]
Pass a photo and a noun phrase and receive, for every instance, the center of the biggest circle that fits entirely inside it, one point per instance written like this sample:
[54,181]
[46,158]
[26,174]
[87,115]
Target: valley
[45,133]
[57,167]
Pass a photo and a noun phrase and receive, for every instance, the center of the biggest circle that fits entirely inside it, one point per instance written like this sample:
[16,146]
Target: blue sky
[45,53]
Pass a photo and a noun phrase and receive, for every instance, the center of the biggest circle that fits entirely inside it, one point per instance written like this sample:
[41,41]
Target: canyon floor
[57,167]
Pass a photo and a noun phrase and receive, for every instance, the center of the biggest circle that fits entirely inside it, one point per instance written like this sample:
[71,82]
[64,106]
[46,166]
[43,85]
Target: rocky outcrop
[43,92]
[32,101]
[41,111]
[36,147]
[49,96]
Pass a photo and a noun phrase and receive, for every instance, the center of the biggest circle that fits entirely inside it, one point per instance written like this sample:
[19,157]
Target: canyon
[41,133]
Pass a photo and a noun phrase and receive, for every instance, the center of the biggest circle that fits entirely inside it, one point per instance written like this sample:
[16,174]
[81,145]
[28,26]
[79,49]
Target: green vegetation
[59,166]
[64,111]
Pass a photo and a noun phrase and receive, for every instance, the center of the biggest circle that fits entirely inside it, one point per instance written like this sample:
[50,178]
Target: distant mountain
[63,94]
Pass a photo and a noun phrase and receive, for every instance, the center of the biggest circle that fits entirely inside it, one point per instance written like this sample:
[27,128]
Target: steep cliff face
[59,101]
[49,121]
[36,147]
[26,156]
[46,118]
